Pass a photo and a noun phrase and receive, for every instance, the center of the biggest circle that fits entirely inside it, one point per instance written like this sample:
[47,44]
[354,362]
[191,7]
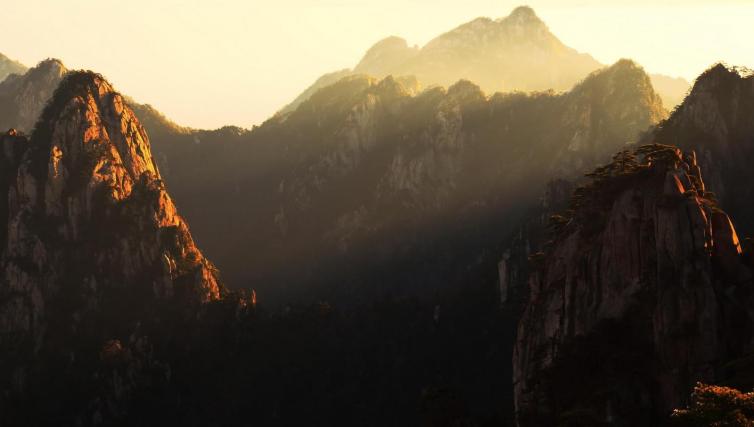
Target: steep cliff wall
[717,121]
[91,241]
[643,291]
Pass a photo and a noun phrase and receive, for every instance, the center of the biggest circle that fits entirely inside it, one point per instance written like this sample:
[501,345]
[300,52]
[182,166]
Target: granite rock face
[88,229]
[717,121]
[529,238]
[643,292]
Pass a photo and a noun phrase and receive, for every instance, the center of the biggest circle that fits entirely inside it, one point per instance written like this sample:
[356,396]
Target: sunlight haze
[208,64]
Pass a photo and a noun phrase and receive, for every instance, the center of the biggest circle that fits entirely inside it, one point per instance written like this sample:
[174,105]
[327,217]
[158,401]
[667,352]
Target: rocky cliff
[643,291]
[717,121]
[91,241]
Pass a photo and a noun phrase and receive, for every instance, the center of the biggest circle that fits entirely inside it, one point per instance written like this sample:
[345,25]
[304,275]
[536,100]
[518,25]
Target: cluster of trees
[397,361]
[716,406]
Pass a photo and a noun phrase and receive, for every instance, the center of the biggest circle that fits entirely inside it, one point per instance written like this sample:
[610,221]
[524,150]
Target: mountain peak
[523,15]
[386,55]
[50,69]
[523,12]
[721,72]
[29,92]
[51,63]
[88,169]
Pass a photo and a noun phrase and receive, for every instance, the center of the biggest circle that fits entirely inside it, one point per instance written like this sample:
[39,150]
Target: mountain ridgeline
[367,166]
[514,53]
[371,216]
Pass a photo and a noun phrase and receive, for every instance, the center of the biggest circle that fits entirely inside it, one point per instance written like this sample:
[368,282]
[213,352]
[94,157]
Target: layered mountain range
[366,166]
[378,194]
[514,53]
[369,165]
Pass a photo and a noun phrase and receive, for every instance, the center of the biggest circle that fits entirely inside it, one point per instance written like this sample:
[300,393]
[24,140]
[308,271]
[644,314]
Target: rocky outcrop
[643,292]
[90,235]
[717,121]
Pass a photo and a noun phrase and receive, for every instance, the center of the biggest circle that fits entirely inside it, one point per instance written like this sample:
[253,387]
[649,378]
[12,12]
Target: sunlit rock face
[717,121]
[643,292]
[89,231]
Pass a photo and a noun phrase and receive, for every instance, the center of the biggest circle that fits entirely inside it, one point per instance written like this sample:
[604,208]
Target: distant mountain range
[372,219]
[515,53]
[374,161]
[366,166]
[9,66]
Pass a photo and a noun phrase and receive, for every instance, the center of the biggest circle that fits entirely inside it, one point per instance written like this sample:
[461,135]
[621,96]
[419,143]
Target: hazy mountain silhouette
[23,96]
[9,66]
[515,53]
[369,175]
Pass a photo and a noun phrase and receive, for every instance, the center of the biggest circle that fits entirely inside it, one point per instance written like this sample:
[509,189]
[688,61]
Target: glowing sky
[209,63]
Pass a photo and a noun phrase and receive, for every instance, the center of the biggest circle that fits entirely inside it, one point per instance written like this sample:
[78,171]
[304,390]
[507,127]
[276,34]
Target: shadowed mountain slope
[367,166]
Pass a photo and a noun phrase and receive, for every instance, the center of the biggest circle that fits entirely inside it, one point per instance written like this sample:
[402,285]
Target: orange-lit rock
[633,302]
[86,218]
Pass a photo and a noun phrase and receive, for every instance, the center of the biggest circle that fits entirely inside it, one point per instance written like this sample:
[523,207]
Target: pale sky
[207,63]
